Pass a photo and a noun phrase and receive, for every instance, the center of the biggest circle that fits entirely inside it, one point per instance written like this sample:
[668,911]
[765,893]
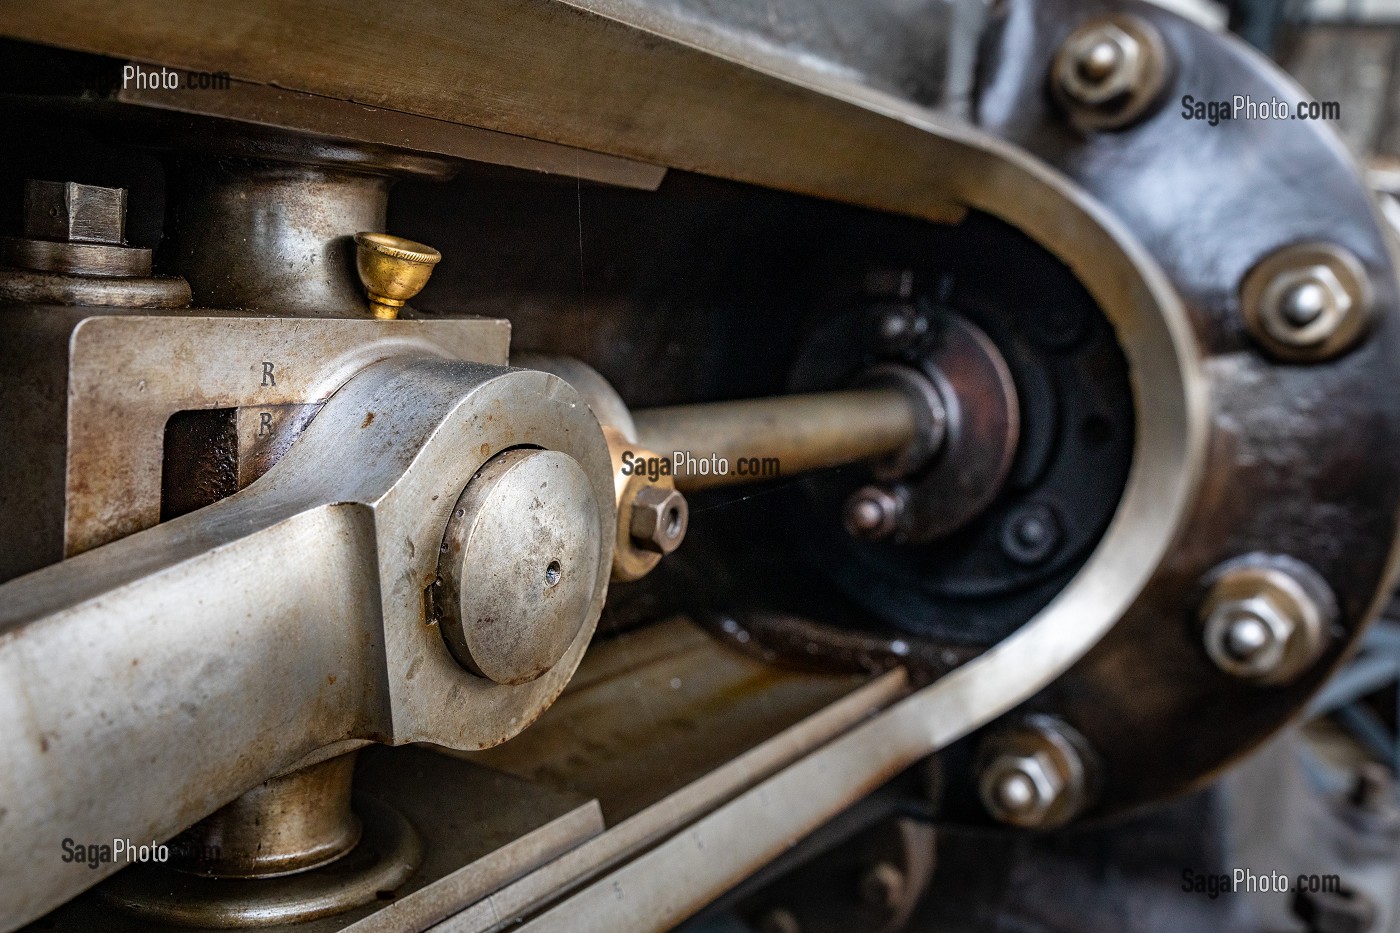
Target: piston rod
[783,435]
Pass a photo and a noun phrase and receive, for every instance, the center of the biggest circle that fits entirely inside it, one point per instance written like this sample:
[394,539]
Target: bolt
[1036,773]
[898,328]
[1099,64]
[882,885]
[873,513]
[1304,303]
[659,519]
[1302,306]
[1110,70]
[779,920]
[1022,789]
[1248,637]
[1307,302]
[72,213]
[1030,534]
[1261,622]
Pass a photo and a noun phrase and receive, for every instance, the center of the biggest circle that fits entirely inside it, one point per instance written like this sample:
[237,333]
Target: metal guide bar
[653,823]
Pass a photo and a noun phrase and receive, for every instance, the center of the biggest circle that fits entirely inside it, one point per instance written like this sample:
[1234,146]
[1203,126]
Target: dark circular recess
[978,584]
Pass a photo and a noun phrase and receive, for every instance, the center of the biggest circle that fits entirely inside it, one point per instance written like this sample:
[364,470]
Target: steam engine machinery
[604,465]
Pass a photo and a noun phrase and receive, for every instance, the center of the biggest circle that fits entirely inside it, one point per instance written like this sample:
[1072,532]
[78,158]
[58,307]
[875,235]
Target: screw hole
[552,573]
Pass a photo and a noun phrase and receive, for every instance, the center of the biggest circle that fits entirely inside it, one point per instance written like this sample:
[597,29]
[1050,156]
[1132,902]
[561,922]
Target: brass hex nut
[659,519]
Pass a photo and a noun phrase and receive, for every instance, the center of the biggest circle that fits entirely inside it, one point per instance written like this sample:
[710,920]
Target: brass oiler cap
[392,270]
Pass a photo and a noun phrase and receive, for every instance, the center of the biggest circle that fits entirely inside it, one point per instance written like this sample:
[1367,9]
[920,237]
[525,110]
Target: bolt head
[1097,62]
[1249,637]
[1307,302]
[872,513]
[1021,789]
[1031,534]
[1303,303]
[72,213]
[1099,65]
[660,517]
[1304,306]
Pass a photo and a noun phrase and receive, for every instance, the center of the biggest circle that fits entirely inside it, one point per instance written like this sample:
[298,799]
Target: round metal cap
[518,565]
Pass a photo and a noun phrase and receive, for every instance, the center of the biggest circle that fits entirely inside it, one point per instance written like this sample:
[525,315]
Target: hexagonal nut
[1021,790]
[659,519]
[1077,68]
[73,213]
[1336,303]
[1323,322]
[1249,637]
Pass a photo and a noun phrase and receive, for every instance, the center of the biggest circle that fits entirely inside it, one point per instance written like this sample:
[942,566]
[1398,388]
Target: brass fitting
[392,270]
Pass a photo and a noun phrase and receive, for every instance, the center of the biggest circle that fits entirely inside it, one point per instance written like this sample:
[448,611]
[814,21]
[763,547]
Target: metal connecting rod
[226,646]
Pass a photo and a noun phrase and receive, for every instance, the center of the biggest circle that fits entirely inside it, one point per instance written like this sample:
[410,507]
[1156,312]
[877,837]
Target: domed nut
[1307,302]
[1110,71]
[1266,619]
[659,519]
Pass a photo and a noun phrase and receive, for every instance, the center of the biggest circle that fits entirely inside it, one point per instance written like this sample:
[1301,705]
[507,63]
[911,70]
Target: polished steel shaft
[763,438]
